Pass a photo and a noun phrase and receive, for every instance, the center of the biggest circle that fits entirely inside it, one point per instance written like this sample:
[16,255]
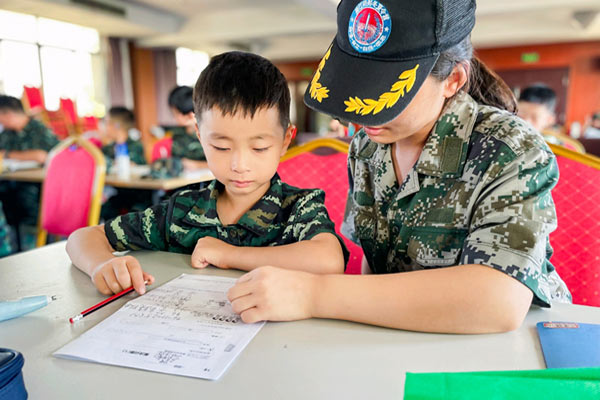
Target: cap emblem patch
[369,26]
[405,83]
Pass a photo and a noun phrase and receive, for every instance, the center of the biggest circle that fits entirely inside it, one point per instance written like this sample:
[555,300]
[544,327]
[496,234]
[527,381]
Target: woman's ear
[457,79]
[290,134]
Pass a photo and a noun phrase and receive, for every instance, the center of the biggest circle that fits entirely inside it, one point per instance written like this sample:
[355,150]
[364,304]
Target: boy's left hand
[210,250]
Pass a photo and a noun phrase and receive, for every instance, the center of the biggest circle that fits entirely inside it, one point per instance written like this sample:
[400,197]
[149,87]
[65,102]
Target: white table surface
[312,359]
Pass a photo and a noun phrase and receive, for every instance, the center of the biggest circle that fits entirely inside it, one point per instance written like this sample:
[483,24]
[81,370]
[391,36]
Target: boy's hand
[119,273]
[273,294]
[210,250]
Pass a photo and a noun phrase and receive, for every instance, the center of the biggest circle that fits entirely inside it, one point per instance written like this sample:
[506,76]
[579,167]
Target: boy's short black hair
[10,103]
[539,94]
[180,99]
[123,115]
[242,82]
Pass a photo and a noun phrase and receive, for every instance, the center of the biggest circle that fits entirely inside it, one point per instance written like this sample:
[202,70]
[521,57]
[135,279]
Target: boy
[536,106]
[23,138]
[119,122]
[185,144]
[245,218]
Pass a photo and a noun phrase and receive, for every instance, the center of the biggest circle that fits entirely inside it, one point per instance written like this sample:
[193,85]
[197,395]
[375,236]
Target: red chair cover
[67,191]
[576,241]
[327,172]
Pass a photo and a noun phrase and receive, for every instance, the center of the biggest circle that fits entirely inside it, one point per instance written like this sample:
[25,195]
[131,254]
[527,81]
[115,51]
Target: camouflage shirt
[284,215]
[135,148]
[186,145]
[479,194]
[35,136]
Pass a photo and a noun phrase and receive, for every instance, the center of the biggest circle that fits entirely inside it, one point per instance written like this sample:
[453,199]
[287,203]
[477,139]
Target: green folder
[546,384]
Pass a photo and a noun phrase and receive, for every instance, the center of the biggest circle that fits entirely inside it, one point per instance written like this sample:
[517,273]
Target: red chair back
[576,241]
[162,149]
[69,110]
[58,123]
[317,165]
[90,123]
[72,188]
[34,98]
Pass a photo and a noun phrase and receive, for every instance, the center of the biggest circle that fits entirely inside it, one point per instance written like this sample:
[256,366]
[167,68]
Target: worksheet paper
[184,327]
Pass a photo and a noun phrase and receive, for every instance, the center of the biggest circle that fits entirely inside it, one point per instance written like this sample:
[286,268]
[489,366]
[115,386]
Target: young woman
[449,190]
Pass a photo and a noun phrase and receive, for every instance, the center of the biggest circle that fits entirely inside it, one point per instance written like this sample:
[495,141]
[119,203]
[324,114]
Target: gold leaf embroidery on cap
[387,99]
[318,91]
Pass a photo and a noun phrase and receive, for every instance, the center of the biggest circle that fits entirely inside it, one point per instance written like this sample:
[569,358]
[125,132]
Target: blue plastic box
[12,386]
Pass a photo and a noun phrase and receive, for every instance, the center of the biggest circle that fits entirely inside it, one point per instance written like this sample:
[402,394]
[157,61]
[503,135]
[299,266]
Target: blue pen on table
[16,308]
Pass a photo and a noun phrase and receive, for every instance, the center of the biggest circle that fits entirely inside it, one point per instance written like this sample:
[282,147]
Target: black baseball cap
[382,53]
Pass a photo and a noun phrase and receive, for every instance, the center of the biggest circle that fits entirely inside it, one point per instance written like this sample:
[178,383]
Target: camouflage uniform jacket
[35,136]
[479,194]
[186,145]
[284,215]
[135,148]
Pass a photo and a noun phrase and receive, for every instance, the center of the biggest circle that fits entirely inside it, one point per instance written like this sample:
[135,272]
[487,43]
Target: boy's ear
[290,133]
[197,128]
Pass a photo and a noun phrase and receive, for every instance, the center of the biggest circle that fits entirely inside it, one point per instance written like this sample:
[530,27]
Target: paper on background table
[184,327]
[9,164]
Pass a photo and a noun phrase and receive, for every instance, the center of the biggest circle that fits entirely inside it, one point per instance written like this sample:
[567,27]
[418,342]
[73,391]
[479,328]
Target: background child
[245,218]
[185,143]
[23,138]
[119,122]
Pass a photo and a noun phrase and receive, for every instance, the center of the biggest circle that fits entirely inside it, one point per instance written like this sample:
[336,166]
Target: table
[135,182]
[311,359]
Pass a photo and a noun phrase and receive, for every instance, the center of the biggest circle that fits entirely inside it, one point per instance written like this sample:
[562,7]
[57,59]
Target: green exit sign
[530,58]
[307,72]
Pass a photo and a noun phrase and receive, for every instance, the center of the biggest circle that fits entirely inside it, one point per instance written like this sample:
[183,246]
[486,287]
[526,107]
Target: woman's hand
[274,294]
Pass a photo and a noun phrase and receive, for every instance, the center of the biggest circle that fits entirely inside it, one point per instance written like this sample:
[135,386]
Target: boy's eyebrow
[217,135]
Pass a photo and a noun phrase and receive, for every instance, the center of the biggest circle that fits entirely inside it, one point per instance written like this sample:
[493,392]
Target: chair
[69,109]
[33,100]
[90,123]
[72,188]
[322,164]
[576,241]
[563,140]
[162,149]
[58,123]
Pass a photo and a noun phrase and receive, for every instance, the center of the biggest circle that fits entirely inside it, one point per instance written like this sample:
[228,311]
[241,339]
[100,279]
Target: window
[62,58]
[189,65]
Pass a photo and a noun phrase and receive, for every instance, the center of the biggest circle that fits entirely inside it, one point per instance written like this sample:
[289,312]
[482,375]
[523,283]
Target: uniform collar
[257,219]
[445,150]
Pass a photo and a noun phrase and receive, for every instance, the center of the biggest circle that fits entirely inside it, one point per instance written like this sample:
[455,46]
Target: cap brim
[365,91]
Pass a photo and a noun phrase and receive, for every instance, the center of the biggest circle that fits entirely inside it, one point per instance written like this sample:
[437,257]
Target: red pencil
[102,304]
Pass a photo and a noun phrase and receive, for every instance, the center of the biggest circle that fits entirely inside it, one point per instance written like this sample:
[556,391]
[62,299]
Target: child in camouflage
[245,218]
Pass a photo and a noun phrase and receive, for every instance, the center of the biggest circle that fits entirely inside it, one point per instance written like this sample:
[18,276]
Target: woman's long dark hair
[484,85]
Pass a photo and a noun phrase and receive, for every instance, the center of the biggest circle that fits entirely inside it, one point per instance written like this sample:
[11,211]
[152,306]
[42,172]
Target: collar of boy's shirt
[257,219]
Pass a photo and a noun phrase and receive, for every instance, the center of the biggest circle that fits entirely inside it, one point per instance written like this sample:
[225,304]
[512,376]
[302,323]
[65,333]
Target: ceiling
[298,29]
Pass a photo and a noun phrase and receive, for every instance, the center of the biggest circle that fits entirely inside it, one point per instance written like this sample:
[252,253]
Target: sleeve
[144,230]
[512,221]
[311,218]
